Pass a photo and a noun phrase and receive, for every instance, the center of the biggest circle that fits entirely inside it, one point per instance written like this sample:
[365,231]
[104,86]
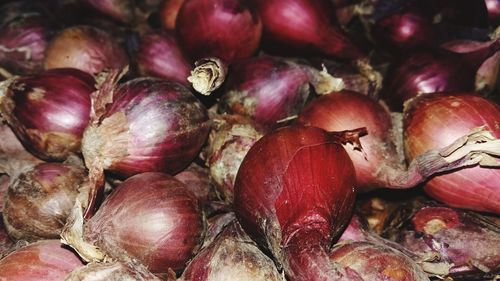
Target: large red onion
[48,111]
[160,55]
[40,199]
[168,13]
[226,29]
[120,10]
[150,217]
[43,260]
[431,121]
[302,26]
[86,48]
[294,192]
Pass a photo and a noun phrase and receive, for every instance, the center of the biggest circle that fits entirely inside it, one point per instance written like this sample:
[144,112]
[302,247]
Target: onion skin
[120,10]
[177,127]
[161,225]
[48,111]
[304,27]
[227,29]
[6,244]
[160,55]
[168,13]
[114,271]
[432,121]
[296,212]
[266,89]
[86,48]
[197,180]
[232,256]
[43,260]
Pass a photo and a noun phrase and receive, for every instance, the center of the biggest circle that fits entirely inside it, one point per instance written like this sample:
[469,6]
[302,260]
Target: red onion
[40,199]
[228,143]
[226,29]
[23,43]
[43,260]
[294,192]
[150,217]
[11,147]
[48,111]
[120,10]
[86,48]
[302,26]
[232,256]
[432,121]
[168,13]
[493,7]
[160,55]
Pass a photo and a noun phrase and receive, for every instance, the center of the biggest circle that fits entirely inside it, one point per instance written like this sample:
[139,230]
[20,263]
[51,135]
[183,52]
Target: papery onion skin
[86,48]
[168,13]
[120,10]
[347,110]
[160,55]
[432,121]
[151,217]
[49,111]
[23,43]
[152,125]
[266,89]
[225,29]
[304,27]
[293,194]
[43,260]
[40,199]
[114,271]
[6,244]
[232,256]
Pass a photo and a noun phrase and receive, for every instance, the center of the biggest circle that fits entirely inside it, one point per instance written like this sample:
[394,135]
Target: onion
[375,262]
[294,192]
[229,142]
[197,180]
[226,29]
[160,55]
[232,256]
[120,10]
[23,42]
[40,199]
[168,13]
[115,270]
[43,260]
[433,120]
[150,217]
[86,48]
[48,111]
[304,27]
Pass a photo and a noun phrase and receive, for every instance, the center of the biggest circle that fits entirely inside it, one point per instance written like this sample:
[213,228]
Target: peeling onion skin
[151,217]
[38,202]
[226,29]
[294,193]
[431,121]
[49,111]
[43,260]
[232,256]
[84,47]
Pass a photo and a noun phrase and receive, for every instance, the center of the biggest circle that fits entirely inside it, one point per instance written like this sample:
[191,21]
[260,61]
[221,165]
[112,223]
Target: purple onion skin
[167,126]
[39,201]
[375,262]
[23,43]
[232,256]
[49,111]
[160,55]
[151,217]
[425,73]
[119,10]
[265,89]
[43,260]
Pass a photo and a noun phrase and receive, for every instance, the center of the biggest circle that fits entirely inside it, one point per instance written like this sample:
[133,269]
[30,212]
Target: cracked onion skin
[432,121]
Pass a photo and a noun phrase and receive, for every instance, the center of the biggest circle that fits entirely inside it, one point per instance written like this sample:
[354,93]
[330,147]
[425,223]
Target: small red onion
[23,43]
[48,111]
[431,121]
[232,256]
[120,10]
[294,192]
[40,199]
[168,13]
[226,29]
[150,217]
[304,27]
[86,48]
[159,55]
[43,260]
